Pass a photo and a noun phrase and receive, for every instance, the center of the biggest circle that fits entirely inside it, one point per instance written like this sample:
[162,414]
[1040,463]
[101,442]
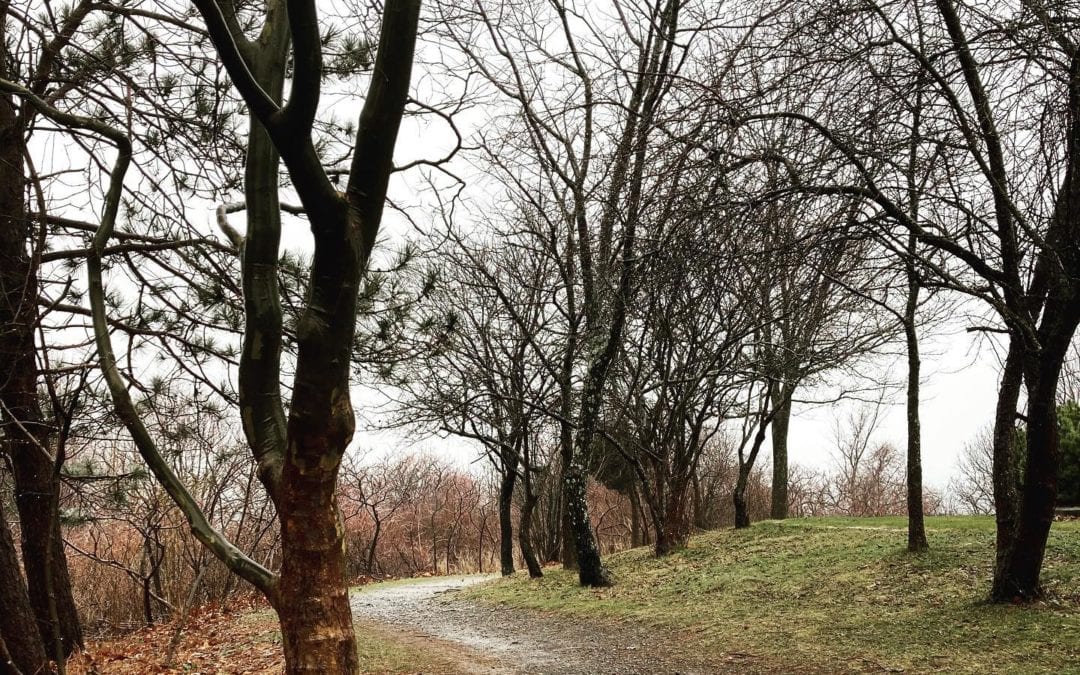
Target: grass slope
[834,595]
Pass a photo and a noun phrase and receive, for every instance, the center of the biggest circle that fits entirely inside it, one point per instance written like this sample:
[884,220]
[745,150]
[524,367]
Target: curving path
[486,639]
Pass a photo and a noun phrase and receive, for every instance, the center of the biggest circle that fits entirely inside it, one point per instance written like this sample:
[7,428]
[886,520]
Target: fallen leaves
[214,642]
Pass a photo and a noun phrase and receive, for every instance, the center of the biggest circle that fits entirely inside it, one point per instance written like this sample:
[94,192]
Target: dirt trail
[501,640]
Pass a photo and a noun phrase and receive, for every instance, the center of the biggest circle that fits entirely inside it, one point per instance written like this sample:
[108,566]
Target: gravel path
[502,640]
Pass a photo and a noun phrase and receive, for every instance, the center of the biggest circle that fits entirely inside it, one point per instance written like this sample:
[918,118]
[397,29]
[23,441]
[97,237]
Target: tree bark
[1016,577]
[1043,352]
[373,547]
[34,492]
[916,521]
[567,547]
[18,630]
[590,568]
[780,423]
[312,599]
[636,517]
[24,431]
[674,530]
[746,462]
[1006,466]
[506,523]
[738,498]
[525,535]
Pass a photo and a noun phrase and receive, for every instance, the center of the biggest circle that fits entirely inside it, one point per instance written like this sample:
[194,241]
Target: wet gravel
[503,640]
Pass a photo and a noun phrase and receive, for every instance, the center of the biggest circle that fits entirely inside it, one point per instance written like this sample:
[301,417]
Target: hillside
[808,596]
[832,595]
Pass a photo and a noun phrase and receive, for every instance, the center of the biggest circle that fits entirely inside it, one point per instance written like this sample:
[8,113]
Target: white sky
[959,392]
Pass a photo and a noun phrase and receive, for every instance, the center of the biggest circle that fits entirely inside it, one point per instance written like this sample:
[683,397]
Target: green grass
[380,649]
[835,594]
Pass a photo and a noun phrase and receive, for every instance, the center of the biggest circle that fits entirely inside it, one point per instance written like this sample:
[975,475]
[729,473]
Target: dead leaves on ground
[214,642]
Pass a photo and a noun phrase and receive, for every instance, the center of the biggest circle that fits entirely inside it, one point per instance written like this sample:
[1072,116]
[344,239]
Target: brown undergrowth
[222,641]
[245,640]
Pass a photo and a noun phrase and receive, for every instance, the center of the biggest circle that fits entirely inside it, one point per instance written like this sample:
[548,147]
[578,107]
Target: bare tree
[973,484]
[1014,255]
[586,148]
[298,455]
[479,377]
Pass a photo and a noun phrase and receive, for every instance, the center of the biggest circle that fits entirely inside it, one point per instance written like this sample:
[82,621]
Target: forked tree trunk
[525,535]
[1017,577]
[746,464]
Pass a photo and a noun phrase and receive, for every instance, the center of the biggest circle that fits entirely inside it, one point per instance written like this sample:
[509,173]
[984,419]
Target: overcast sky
[959,369]
[959,392]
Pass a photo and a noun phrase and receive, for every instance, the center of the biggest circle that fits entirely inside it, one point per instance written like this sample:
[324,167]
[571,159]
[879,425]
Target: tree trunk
[312,600]
[25,435]
[1006,457]
[916,522]
[590,568]
[150,569]
[674,530]
[373,548]
[746,464]
[567,547]
[780,424]
[635,517]
[1016,578]
[738,497]
[147,605]
[525,535]
[506,523]
[17,627]
[34,491]
[553,522]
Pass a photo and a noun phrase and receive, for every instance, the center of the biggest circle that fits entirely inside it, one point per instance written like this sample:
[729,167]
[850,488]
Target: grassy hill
[834,595]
